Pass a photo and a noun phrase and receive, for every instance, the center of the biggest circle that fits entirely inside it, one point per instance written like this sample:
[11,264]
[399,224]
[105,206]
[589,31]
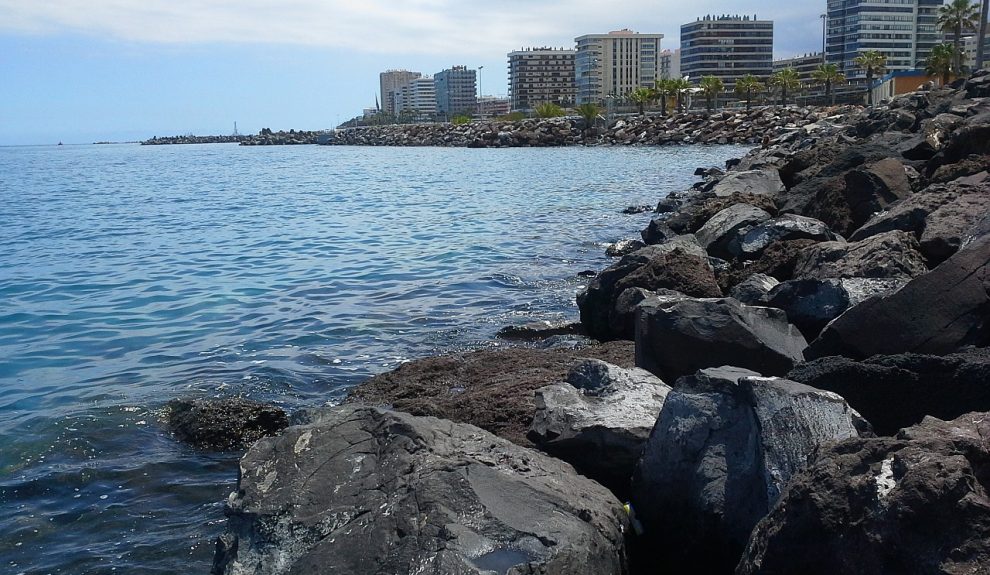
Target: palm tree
[548,110]
[640,96]
[941,62]
[746,85]
[786,79]
[589,112]
[956,16]
[829,75]
[662,89]
[873,62]
[679,85]
[711,87]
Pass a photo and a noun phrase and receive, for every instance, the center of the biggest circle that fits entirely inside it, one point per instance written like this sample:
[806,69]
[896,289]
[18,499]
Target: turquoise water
[133,275]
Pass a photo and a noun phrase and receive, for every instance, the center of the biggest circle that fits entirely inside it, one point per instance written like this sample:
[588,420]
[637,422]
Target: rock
[936,313]
[873,188]
[676,337]
[754,289]
[726,443]
[718,235]
[538,330]
[223,424]
[361,490]
[624,248]
[760,182]
[914,504]
[785,227]
[599,420]
[657,232]
[889,255]
[679,265]
[632,210]
[691,217]
[810,304]
[492,389]
[939,217]
[777,261]
[897,391]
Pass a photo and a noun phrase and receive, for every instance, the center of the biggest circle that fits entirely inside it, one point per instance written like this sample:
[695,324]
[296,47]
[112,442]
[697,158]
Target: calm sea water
[132,275]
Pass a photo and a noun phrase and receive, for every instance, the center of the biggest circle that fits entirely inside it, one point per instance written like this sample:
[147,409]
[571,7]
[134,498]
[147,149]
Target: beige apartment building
[612,65]
[538,75]
[391,82]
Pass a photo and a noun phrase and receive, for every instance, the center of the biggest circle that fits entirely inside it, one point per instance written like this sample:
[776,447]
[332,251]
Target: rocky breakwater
[190,139]
[841,273]
[729,127]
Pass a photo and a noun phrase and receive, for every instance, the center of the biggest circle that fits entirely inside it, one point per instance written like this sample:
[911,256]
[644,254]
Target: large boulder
[362,490]
[810,304]
[916,504]
[760,182]
[939,217]
[896,391]
[679,265]
[726,443]
[754,289]
[889,255]
[874,187]
[936,313]
[490,388]
[599,419]
[786,227]
[223,424]
[690,217]
[719,234]
[777,261]
[678,336]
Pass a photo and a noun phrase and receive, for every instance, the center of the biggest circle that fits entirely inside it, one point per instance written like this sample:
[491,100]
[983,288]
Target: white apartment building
[391,82]
[670,64]
[903,30]
[417,99]
[612,65]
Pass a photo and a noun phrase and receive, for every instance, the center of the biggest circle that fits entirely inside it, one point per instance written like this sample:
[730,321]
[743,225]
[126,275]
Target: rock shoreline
[789,334]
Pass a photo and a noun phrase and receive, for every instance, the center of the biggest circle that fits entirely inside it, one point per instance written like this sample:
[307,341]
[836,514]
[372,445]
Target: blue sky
[80,71]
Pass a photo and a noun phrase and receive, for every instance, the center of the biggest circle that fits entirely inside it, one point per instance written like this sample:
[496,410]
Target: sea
[132,275]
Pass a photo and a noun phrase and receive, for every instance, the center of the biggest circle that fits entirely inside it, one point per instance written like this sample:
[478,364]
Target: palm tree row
[955,17]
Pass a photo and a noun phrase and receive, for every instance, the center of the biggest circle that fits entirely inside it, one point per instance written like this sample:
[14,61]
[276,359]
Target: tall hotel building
[417,99]
[903,30]
[456,91]
[727,47]
[614,64]
[540,75]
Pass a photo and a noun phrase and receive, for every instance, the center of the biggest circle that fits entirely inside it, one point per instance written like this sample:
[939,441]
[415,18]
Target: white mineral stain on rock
[885,480]
[303,442]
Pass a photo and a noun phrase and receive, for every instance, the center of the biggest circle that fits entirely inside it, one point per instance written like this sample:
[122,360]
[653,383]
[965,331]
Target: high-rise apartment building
[391,82]
[456,91]
[905,31]
[670,63]
[727,47]
[539,75]
[417,99]
[614,64]
[804,65]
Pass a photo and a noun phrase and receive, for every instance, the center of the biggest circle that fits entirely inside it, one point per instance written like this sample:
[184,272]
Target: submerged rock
[224,423]
[361,490]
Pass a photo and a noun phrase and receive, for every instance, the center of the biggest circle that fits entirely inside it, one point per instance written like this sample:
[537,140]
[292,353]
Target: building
[456,92]
[417,99]
[804,65]
[493,106]
[905,31]
[670,63]
[391,82]
[538,75]
[612,65]
[969,51]
[727,47]
[896,83]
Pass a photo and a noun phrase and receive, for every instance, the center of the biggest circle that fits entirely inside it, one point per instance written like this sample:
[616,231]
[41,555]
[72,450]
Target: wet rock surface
[361,490]
[223,423]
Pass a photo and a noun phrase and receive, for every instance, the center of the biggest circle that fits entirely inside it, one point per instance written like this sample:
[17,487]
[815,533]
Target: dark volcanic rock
[719,234]
[678,336]
[726,443]
[632,210]
[896,391]
[786,227]
[754,289]
[679,265]
[492,389]
[657,232]
[916,504]
[222,424]
[538,330]
[689,218]
[624,248]
[758,182]
[936,313]
[889,255]
[811,304]
[599,420]
[361,490]
[873,188]
[777,261]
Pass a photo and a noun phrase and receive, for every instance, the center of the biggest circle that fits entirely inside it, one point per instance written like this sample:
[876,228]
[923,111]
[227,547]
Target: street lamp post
[824,18]
[481,95]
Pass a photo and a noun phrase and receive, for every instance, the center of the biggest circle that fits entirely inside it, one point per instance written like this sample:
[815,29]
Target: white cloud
[451,27]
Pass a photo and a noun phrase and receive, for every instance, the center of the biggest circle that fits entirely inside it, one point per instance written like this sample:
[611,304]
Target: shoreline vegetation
[786,373]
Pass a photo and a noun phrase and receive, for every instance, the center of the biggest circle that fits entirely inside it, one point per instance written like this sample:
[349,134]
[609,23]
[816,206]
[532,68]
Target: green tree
[460,120]
[954,17]
[588,112]
[711,87]
[662,89]
[941,62]
[548,110]
[828,75]
[873,62]
[641,97]
[786,80]
[680,86]
[747,86]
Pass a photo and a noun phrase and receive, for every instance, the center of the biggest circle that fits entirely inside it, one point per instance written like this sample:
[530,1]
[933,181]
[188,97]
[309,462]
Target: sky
[81,71]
